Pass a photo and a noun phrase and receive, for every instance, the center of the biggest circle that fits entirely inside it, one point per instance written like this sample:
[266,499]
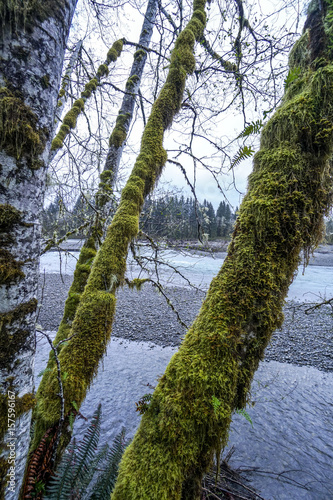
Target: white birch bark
[31,59]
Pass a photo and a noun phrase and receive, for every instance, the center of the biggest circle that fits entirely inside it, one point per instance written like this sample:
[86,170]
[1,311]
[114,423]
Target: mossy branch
[70,119]
[91,326]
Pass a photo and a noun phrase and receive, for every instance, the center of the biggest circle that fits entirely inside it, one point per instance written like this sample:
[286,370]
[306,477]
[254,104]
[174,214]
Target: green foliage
[84,467]
[245,414]
[253,128]
[293,74]
[143,404]
[216,404]
[243,153]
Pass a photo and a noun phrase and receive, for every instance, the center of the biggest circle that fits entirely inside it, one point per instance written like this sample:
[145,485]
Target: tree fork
[289,191]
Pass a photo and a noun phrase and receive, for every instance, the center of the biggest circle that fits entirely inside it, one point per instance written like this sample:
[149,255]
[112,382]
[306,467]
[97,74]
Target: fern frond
[61,483]
[253,128]
[293,74]
[107,479]
[87,448]
[243,153]
[87,483]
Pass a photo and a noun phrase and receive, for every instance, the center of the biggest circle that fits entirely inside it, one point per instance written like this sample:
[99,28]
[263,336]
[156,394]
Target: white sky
[129,26]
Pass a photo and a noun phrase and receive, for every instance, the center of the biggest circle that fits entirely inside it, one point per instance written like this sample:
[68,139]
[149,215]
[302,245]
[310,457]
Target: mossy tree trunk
[95,307]
[32,43]
[209,377]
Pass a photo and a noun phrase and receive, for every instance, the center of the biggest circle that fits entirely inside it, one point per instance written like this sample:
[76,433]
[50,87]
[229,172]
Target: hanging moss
[131,82]
[19,134]
[17,15]
[10,269]
[10,344]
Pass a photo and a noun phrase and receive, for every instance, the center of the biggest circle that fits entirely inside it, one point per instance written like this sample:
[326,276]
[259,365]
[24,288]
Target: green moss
[79,103]
[10,269]
[25,15]
[9,217]
[19,134]
[11,344]
[71,116]
[119,133]
[289,192]
[131,82]
[103,70]
[45,81]
[115,51]
[139,54]
[90,312]
[89,88]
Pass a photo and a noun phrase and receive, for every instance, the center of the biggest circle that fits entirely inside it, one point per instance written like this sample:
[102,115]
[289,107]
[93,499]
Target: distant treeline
[181,218]
[172,217]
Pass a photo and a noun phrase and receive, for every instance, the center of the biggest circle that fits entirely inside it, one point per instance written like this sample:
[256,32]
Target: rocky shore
[305,339]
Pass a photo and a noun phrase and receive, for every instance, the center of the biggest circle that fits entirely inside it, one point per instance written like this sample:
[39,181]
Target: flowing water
[180,268]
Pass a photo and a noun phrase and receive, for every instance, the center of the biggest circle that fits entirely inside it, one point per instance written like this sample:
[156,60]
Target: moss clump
[89,88]
[9,217]
[103,70]
[19,133]
[10,344]
[71,116]
[131,82]
[10,269]
[18,15]
[119,132]
[58,141]
[79,103]
[139,55]
[115,51]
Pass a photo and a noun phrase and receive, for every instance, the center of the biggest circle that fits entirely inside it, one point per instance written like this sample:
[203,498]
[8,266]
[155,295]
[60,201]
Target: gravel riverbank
[304,339]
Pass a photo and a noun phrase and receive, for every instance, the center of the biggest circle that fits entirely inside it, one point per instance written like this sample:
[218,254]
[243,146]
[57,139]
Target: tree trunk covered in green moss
[32,43]
[209,377]
[91,328]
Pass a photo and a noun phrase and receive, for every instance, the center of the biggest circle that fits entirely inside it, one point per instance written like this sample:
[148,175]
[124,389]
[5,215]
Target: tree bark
[289,191]
[32,45]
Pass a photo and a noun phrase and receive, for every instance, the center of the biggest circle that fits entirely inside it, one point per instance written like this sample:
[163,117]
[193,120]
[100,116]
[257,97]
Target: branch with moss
[289,192]
[70,119]
[94,315]
[67,76]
